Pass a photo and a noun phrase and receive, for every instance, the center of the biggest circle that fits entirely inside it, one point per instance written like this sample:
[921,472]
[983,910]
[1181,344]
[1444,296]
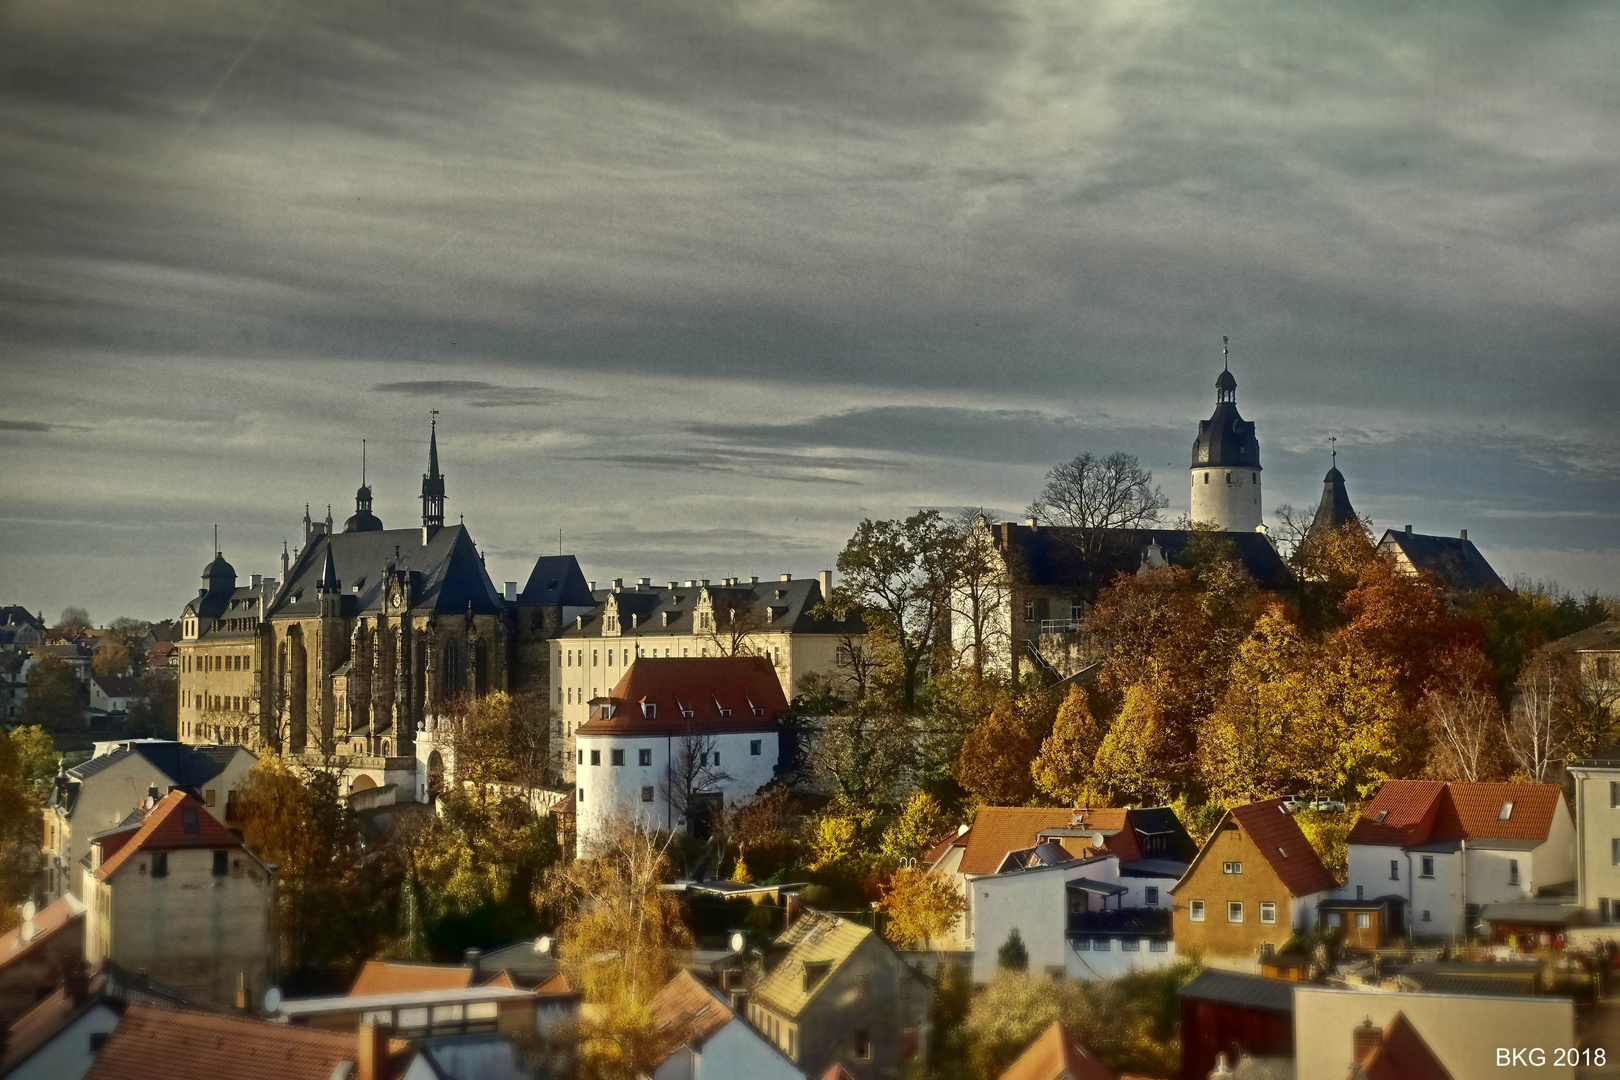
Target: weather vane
[1333,441]
[1224,365]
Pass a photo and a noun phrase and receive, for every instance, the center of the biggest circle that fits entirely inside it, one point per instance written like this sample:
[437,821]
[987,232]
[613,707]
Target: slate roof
[118,686]
[1229,439]
[1454,560]
[1334,510]
[1057,1055]
[384,977]
[747,686]
[1046,556]
[62,916]
[17,615]
[816,938]
[1604,637]
[446,573]
[177,822]
[522,958]
[556,581]
[186,766]
[782,606]
[1419,812]
[1237,988]
[1401,1055]
[686,1013]
[1276,837]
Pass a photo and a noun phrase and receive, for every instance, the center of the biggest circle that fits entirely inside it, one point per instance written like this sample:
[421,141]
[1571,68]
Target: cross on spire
[1333,441]
[1225,366]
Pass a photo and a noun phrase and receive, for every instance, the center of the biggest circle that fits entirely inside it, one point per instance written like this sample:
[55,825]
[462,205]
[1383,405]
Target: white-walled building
[1446,850]
[678,739]
[1226,465]
[702,1038]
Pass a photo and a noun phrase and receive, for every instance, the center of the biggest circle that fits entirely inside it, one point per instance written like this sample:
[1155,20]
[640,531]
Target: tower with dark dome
[363,520]
[1334,510]
[1226,462]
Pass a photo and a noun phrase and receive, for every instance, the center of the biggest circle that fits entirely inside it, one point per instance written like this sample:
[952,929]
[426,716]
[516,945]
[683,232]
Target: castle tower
[1226,463]
[1334,511]
[433,483]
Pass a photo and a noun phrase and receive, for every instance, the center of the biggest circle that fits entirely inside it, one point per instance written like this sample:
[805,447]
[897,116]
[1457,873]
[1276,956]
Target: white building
[677,740]
[113,694]
[702,1038]
[1446,850]
[1226,465]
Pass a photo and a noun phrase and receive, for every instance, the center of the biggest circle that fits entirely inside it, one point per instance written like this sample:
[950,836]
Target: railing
[1059,626]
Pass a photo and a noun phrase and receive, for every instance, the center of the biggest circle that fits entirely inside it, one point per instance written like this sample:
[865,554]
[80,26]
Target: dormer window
[724,711]
[649,711]
[665,618]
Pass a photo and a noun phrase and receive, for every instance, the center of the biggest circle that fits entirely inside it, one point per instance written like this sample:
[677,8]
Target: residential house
[177,894]
[112,695]
[1452,561]
[778,621]
[1595,654]
[19,628]
[1255,882]
[1229,1013]
[101,793]
[38,953]
[1395,1051]
[701,1038]
[1446,849]
[1057,1055]
[391,977]
[59,1037]
[163,656]
[1333,1027]
[841,995]
[1597,842]
[677,740]
[465,1010]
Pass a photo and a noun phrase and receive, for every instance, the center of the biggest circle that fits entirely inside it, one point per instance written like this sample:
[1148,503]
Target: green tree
[1064,768]
[863,752]
[55,701]
[156,713]
[36,754]
[1012,955]
[20,803]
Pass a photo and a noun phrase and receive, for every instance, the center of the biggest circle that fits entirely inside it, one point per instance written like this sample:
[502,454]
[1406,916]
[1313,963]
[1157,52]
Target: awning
[1081,884]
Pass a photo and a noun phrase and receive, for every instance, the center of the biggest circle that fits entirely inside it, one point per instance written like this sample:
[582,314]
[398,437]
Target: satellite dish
[272,1000]
[737,942]
[542,944]
[29,910]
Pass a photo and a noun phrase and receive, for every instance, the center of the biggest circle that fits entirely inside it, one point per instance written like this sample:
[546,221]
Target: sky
[699,285]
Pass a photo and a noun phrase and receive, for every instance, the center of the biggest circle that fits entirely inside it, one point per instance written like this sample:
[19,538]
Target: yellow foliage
[1064,769]
[834,841]
[921,906]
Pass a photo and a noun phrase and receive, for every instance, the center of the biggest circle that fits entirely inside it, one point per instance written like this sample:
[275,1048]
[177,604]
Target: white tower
[1226,463]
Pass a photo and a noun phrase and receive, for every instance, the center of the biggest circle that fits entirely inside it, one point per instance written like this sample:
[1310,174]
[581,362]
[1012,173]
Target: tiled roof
[556,986]
[1425,811]
[1276,837]
[686,1013]
[446,573]
[1237,988]
[47,922]
[1057,1055]
[118,685]
[955,838]
[502,978]
[177,821]
[1453,559]
[1000,829]
[783,606]
[816,938]
[383,977]
[1401,1055]
[179,1044]
[1604,637]
[836,1071]
[702,686]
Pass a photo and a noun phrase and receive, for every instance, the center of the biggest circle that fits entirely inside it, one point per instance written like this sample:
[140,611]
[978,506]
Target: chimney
[1409,530]
[470,958]
[691,583]
[593,586]
[787,577]
[674,584]
[645,583]
[241,991]
[1465,534]
[1029,521]
[511,592]
[754,580]
[255,581]
[618,584]
[705,583]
[1364,1040]
[826,583]
[371,1056]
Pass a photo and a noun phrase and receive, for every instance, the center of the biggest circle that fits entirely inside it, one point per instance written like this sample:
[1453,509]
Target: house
[779,621]
[38,953]
[19,628]
[1256,882]
[1057,1055]
[183,1044]
[389,977]
[1150,843]
[1229,1013]
[1597,842]
[1446,849]
[58,1038]
[677,740]
[840,994]
[112,695]
[1453,561]
[1333,1027]
[102,792]
[467,1010]
[701,1038]
[163,656]
[177,894]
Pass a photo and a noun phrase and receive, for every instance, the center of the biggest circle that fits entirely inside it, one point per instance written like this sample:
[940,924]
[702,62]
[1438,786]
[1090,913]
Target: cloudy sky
[701,284]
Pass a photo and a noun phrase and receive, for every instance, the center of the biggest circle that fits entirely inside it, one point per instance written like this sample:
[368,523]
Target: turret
[1334,510]
[1226,462]
[433,483]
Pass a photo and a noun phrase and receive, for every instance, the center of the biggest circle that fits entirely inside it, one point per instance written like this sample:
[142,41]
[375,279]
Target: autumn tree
[1139,758]
[1400,617]
[35,754]
[899,572]
[21,800]
[1534,729]
[737,624]
[55,701]
[763,832]
[914,830]
[863,752]
[73,620]
[112,656]
[619,940]
[994,764]
[1463,718]
[156,713]
[921,906]
[1098,498]
[1064,767]
[1328,563]
[980,588]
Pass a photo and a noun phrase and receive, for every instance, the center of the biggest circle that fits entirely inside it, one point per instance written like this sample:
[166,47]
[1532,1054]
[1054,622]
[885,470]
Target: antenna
[362,463]
[559,541]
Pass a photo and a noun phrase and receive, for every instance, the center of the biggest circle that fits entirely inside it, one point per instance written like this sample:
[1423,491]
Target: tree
[1329,834]
[1097,498]
[498,739]
[834,841]
[1534,729]
[1329,563]
[156,713]
[916,829]
[694,774]
[55,701]
[1012,955]
[20,803]
[863,752]
[74,620]
[1400,617]
[899,572]
[1138,759]
[1064,768]
[994,765]
[921,906]
[980,587]
[1462,717]
[112,656]
[35,752]
[619,938]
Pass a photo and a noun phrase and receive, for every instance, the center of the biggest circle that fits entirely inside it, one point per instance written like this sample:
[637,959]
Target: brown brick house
[1255,882]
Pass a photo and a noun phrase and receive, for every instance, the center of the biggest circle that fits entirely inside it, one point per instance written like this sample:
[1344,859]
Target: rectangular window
[615,757]
[1158,945]
[1130,944]
[1614,794]
[1513,871]
[753,747]
[160,864]
[1358,892]
[1152,892]
[208,797]
[596,757]
[1082,944]
[1029,611]
[1614,852]
[1428,866]
[1394,870]
[646,794]
[643,757]
[1363,920]
[1102,944]
[222,863]
[1195,911]
[1234,911]
[581,794]
[1232,868]
[581,757]
[1268,912]
[717,759]
[863,1045]
[595,658]
[1426,917]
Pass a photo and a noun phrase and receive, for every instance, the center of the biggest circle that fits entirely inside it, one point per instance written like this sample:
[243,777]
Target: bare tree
[863,752]
[1097,498]
[737,625]
[1292,525]
[694,774]
[1463,717]
[980,587]
[1534,729]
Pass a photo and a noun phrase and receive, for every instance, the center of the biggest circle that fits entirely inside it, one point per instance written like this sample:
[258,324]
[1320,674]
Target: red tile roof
[179,1044]
[48,921]
[999,829]
[686,1013]
[1276,836]
[836,1071]
[1428,811]
[177,821]
[955,838]
[1401,1055]
[746,686]
[383,977]
[1057,1055]
[556,986]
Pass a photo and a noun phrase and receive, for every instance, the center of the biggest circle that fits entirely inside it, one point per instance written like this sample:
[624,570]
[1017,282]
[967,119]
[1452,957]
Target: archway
[362,783]
[435,777]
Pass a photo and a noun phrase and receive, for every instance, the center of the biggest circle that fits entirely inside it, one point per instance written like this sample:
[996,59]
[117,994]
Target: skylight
[1507,812]
[1378,818]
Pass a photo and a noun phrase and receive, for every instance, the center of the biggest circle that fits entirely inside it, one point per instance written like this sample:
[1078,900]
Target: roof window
[649,710]
[188,820]
[1378,818]
[1507,812]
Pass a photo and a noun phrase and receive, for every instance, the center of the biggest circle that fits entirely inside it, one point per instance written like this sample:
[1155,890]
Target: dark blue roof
[1049,555]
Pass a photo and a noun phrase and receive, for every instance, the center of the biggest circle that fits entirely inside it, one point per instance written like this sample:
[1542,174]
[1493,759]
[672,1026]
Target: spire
[1225,382]
[1334,510]
[329,580]
[432,481]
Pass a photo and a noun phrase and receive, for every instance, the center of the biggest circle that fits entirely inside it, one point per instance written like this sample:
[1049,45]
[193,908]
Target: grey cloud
[25,425]
[479,395]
